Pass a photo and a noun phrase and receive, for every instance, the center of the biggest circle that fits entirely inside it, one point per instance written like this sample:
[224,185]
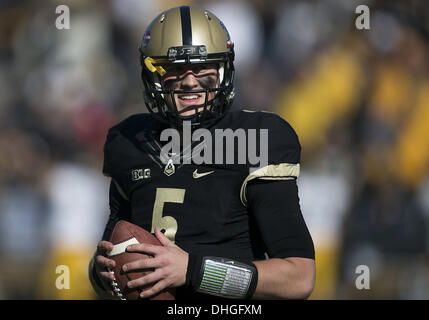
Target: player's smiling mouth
[189,99]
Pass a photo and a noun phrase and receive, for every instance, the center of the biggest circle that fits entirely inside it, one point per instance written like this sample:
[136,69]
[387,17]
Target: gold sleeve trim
[282,171]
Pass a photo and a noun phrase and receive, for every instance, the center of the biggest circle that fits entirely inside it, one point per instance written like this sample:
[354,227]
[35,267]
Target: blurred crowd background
[358,99]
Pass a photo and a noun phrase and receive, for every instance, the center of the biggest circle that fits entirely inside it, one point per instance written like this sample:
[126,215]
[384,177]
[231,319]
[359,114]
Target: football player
[212,218]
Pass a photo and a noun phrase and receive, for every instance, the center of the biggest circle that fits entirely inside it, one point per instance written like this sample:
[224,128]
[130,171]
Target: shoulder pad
[283,142]
[121,140]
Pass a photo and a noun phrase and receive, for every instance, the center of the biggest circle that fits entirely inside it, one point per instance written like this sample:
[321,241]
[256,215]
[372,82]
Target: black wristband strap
[253,283]
[193,271]
[221,277]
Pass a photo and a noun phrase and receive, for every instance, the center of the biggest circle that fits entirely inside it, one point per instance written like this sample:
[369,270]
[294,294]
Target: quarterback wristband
[222,277]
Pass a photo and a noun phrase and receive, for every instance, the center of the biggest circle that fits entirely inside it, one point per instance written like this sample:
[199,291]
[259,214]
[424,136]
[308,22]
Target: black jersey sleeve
[115,150]
[119,209]
[283,142]
[107,163]
[275,208]
[271,193]
[284,152]
[120,146]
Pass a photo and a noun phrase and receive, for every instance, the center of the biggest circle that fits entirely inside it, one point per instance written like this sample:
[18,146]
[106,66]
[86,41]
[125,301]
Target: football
[123,235]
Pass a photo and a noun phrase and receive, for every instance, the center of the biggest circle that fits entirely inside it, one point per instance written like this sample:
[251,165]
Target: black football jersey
[208,208]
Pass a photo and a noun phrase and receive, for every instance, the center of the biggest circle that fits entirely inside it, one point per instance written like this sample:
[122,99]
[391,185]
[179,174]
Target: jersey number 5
[167,223]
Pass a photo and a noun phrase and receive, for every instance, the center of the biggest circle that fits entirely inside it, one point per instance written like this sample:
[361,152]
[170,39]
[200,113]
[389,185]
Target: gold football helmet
[187,35]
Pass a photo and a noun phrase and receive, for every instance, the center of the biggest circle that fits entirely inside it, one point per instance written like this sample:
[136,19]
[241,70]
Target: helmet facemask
[206,113]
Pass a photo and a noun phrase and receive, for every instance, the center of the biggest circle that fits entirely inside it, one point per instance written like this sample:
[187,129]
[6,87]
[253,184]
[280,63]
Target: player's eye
[170,84]
[204,68]
[196,69]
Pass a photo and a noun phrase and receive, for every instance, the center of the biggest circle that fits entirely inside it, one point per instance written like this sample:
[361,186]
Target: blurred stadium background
[359,101]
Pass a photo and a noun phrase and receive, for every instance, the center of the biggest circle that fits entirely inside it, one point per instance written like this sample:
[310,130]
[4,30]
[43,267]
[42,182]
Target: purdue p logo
[169,168]
[139,174]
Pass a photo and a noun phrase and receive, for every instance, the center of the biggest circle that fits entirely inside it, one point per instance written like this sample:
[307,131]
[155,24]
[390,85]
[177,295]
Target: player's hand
[170,264]
[102,264]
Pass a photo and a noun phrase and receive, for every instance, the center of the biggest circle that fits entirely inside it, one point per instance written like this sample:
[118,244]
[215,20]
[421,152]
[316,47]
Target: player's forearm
[290,278]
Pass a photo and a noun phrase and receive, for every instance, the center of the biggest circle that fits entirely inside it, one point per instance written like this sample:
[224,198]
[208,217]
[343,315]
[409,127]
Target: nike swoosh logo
[197,175]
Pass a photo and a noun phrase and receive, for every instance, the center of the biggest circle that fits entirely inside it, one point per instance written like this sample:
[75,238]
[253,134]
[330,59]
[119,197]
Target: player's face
[190,77]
